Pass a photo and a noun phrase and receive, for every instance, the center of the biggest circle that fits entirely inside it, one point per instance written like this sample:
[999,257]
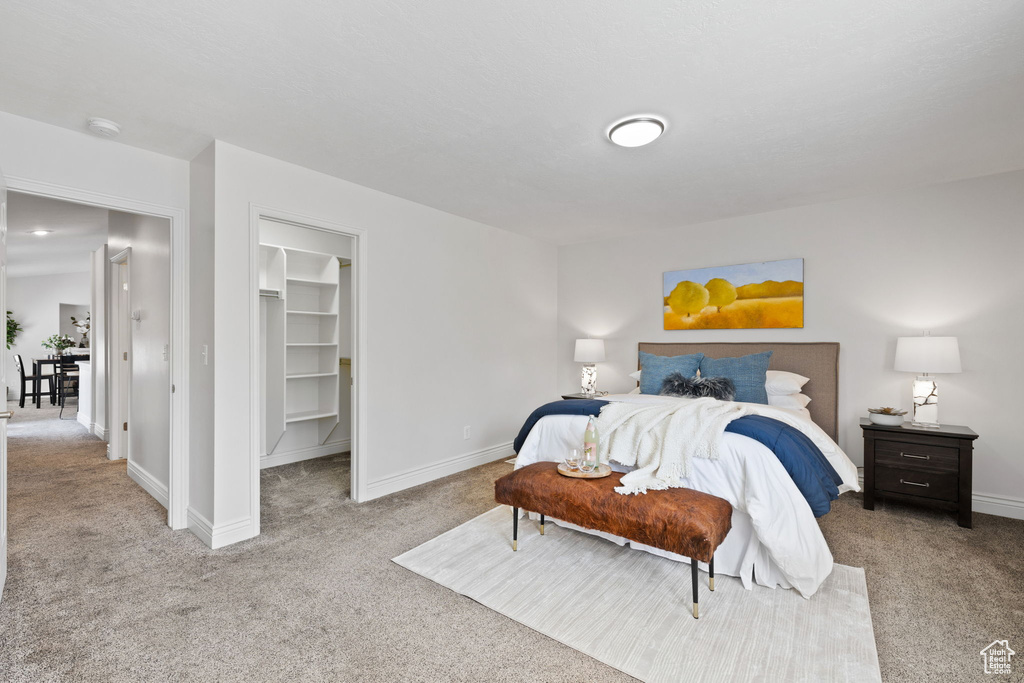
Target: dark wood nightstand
[919,465]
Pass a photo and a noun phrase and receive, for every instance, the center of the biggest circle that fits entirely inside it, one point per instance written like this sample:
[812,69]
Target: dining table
[39,371]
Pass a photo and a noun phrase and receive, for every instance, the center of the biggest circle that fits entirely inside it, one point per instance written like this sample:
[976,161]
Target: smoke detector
[105,128]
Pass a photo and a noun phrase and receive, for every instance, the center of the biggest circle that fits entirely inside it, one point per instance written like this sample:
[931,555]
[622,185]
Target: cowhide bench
[681,521]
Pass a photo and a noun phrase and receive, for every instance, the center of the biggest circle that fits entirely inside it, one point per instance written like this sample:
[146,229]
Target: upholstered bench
[681,521]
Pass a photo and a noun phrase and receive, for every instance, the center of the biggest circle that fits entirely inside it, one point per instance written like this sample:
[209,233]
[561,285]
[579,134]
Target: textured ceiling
[77,231]
[496,111]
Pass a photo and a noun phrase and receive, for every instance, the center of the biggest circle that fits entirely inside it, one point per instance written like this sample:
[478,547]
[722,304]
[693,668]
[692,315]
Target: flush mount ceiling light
[636,131]
[40,232]
[105,128]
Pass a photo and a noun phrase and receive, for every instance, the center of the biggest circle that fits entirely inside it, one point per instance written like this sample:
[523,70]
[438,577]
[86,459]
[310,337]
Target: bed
[775,539]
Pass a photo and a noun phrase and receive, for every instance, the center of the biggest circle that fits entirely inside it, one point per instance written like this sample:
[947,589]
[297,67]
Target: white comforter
[775,538]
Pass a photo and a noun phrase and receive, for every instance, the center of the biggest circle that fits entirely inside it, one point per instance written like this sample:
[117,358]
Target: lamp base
[926,402]
[588,379]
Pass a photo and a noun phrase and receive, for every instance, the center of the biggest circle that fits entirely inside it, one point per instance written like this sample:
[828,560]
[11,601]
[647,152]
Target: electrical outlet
[466,432]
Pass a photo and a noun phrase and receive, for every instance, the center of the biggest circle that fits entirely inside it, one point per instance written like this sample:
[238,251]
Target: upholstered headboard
[817,360]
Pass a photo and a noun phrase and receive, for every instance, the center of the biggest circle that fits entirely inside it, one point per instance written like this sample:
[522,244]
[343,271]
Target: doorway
[165,406]
[308,339]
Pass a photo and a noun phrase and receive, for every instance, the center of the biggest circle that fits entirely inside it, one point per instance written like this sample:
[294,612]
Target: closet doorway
[306,349]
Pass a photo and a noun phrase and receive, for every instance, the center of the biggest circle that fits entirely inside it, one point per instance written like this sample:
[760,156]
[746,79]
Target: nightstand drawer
[938,485]
[902,454]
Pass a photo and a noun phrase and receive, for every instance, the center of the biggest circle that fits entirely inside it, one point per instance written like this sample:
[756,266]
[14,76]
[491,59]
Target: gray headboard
[817,360]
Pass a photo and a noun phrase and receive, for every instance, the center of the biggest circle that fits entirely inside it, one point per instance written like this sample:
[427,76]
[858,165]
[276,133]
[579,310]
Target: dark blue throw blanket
[578,406]
[807,466]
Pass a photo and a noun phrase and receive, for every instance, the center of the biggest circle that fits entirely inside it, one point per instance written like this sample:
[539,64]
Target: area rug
[632,610]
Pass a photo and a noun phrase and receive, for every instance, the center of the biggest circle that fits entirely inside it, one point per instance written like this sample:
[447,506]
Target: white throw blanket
[659,440]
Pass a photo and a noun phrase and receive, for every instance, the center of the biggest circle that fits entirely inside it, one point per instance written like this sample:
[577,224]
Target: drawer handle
[917,457]
[914,483]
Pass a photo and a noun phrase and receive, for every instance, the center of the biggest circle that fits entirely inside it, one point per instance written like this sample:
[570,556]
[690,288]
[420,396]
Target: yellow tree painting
[752,295]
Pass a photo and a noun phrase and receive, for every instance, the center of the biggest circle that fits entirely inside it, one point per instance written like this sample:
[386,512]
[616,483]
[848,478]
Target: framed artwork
[748,296]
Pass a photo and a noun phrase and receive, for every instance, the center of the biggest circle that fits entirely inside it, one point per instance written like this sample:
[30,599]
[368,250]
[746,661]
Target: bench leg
[711,573]
[542,525]
[694,571]
[515,529]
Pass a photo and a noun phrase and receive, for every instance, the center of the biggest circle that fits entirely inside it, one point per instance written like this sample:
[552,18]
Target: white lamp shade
[589,351]
[927,354]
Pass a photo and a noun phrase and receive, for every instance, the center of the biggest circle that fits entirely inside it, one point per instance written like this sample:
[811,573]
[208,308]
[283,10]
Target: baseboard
[84,421]
[201,527]
[218,537]
[100,431]
[304,454]
[1000,506]
[148,482]
[444,468]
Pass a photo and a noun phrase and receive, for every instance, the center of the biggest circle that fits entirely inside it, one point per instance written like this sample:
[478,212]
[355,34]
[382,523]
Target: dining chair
[67,382]
[35,379]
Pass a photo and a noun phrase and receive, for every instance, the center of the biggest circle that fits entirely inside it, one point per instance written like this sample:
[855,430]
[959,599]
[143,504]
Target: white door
[124,360]
[4,415]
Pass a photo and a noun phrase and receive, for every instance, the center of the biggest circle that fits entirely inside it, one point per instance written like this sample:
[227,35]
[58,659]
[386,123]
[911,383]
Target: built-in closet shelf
[308,415]
[310,283]
[301,378]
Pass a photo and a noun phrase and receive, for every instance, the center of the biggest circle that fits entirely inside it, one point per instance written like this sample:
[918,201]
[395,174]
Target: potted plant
[59,343]
[13,328]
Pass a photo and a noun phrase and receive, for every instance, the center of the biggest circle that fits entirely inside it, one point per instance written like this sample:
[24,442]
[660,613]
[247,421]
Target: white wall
[35,303]
[150,295]
[40,152]
[944,258]
[461,327]
[200,447]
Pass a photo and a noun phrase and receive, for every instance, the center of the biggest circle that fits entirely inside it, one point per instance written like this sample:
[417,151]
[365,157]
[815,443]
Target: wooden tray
[602,471]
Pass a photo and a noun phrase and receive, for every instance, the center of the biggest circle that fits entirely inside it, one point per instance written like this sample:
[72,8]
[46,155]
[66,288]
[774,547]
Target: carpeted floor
[99,589]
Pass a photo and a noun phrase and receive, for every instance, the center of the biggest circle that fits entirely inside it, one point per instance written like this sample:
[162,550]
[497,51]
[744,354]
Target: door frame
[359,345]
[120,444]
[177,486]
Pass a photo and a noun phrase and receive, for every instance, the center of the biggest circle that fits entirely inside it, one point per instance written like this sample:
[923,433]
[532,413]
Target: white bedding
[775,539]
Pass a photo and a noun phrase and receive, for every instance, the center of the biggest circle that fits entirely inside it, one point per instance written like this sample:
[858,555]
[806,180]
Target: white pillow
[791,402]
[635,375]
[780,383]
[636,390]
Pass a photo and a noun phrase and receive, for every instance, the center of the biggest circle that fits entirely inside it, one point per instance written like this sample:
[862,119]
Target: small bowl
[887,420]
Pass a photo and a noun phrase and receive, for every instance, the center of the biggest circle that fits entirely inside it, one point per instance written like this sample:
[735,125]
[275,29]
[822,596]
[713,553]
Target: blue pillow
[746,372]
[654,369]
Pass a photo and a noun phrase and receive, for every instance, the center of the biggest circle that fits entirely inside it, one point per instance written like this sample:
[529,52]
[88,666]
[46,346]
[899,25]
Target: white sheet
[775,538]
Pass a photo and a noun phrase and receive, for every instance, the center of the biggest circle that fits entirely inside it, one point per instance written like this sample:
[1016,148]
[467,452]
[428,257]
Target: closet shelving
[301,346]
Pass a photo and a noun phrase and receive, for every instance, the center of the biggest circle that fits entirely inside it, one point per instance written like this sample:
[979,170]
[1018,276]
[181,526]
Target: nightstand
[919,465]
[583,396]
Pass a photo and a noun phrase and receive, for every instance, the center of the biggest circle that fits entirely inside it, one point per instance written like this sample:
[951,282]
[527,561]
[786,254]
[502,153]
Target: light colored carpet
[631,610]
[101,590]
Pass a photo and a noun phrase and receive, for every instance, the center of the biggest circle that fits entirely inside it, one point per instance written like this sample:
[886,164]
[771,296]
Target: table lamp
[588,352]
[926,355]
